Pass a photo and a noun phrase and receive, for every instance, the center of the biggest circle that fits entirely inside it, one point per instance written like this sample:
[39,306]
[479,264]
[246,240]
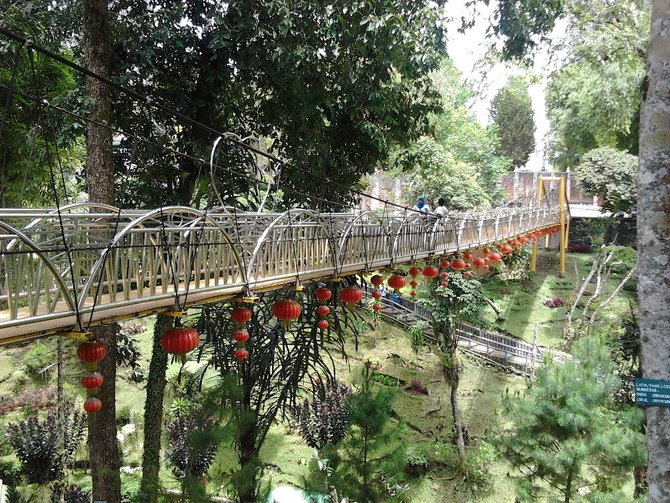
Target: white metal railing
[88,263]
[494,346]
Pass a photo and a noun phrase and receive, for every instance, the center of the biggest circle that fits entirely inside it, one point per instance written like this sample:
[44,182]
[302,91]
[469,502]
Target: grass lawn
[521,303]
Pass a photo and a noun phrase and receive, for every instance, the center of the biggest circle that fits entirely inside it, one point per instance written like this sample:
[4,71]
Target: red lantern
[413,283]
[506,249]
[376,307]
[351,295]
[91,352]
[323,310]
[444,275]
[467,255]
[92,381]
[523,239]
[430,272]
[495,258]
[241,315]
[458,264]
[241,354]
[376,295]
[323,294]
[414,271]
[322,324]
[396,282]
[445,264]
[413,293]
[287,310]
[444,283]
[486,267]
[92,404]
[478,262]
[486,251]
[180,340]
[376,280]
[241,336]
[467,274]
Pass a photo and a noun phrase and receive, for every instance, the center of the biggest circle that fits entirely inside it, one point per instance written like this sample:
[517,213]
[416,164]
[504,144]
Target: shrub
[36,442]
[191,447]
[417,461]
[31,400]
[417,387]
[416,335]
[123,417]
[75,494]
[324,419]
[37,358]
[555,302]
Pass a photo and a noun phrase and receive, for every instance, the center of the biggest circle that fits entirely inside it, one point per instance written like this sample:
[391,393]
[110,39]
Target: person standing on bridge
[422,206]
[440,210]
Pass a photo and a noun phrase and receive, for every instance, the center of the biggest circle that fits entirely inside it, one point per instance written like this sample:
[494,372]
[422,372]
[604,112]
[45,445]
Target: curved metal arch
[20,236]
[137,223]
[54,213]
[349,228]
[443,221]
[410,216]
[289,213]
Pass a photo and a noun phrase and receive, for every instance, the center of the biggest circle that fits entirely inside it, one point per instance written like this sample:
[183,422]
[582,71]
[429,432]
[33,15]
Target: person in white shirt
[440,211]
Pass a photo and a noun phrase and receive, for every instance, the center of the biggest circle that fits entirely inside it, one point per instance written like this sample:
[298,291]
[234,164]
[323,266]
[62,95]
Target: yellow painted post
[563,232]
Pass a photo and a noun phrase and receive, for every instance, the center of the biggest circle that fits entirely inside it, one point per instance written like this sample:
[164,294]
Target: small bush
[123,417]
[191,447]
[75,494]
[479,464]
[324,419]
[36,442]
[555,302]
[417,461]
[385,380]
[417,387]
[37,358]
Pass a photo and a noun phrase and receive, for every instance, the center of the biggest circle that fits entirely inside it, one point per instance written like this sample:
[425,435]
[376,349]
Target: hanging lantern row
[323,295]
[241,316]
[91,352]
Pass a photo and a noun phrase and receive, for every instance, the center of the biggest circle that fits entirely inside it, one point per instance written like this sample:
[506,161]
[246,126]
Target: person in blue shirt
[422,205]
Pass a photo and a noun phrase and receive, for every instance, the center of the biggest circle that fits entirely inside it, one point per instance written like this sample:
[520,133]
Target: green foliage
[462,298]
[436,173]
[611,174]
[324,419]
[36,442]
[416,335]
[512,113]
[38,357]
[565,432]
[367,467]
[521,25]
[459,161]
[594,100]
[331,88]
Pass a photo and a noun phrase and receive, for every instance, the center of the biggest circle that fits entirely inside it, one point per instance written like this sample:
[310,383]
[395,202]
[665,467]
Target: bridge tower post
[564,220]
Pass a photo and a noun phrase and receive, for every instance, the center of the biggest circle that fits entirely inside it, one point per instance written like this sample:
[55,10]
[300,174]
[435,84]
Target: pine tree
[567,436]
[371,458]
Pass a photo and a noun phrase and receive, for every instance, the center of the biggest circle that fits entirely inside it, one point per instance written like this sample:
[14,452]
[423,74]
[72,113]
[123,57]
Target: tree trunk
[153,413]
[247,488]
[104,452]
[653,244]
[449,344]
[103,448]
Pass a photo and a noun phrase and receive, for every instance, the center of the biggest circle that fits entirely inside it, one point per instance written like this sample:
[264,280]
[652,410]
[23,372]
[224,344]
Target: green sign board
[652,392]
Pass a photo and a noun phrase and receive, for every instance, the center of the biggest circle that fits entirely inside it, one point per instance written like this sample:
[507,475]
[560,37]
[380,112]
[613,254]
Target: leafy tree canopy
[512,112]
[594,100]
[611,174]
[459,161]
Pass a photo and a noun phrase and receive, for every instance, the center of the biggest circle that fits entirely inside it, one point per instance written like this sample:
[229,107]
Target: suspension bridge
[68,269]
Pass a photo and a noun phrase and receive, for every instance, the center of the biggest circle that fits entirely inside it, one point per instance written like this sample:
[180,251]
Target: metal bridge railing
[87,264]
